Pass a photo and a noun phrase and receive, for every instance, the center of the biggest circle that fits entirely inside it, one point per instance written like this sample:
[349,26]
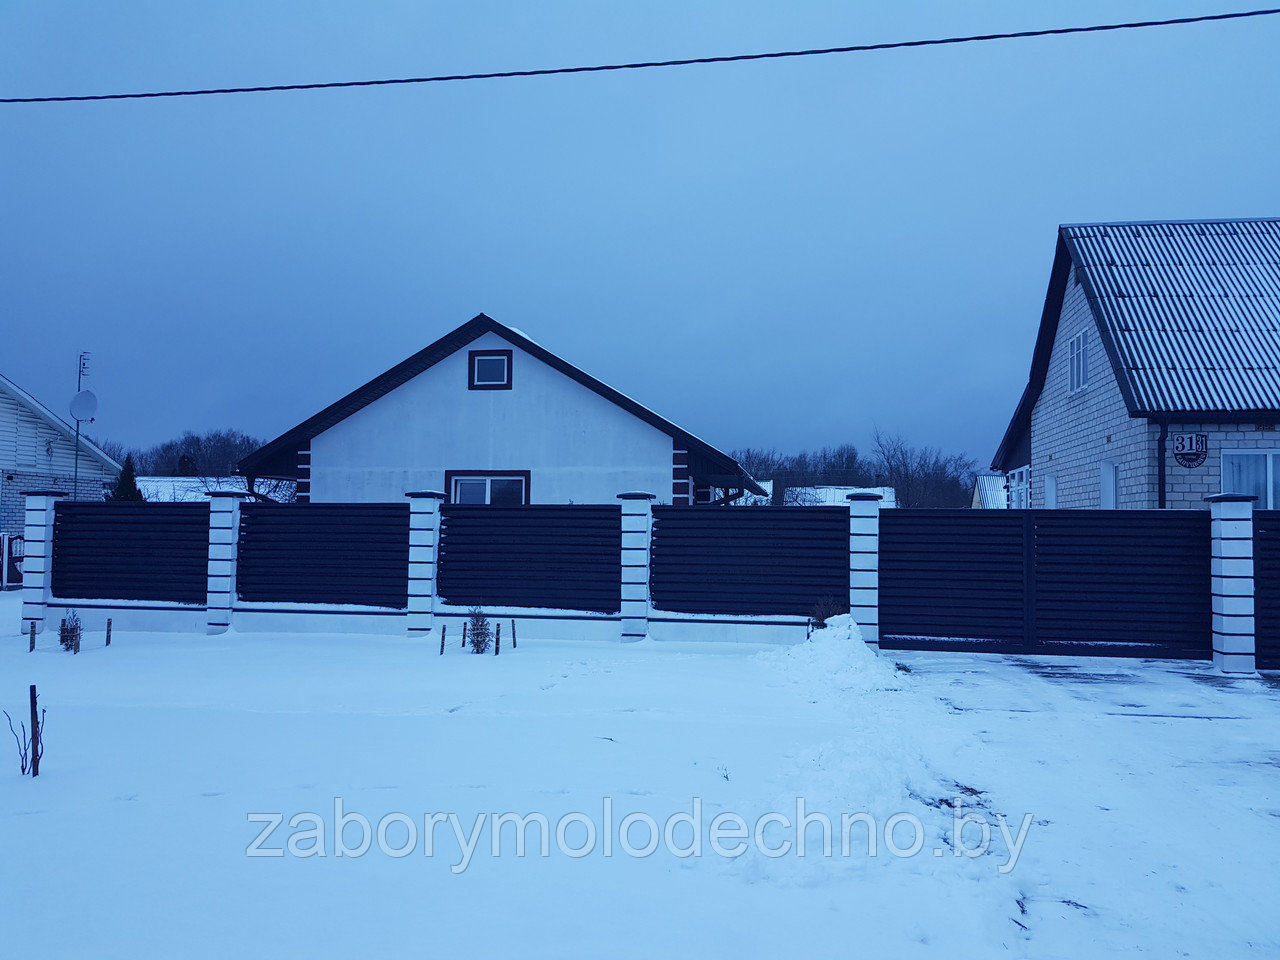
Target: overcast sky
[778,254]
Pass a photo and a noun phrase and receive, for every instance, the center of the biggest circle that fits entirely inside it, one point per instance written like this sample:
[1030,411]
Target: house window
[1019,486]
[1108,485]
[1079,351]
[1255,472]
[499,488]
[489,370]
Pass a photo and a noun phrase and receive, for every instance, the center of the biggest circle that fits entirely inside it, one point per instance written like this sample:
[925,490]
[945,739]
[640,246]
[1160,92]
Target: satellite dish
[84,405]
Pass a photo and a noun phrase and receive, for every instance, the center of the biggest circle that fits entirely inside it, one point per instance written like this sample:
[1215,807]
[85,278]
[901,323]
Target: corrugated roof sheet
[1191,310]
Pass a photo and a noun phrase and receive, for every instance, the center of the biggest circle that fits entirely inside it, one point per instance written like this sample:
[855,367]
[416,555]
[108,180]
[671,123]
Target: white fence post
[1231,558]
[637,523]
[37,560]
[864,563]
[424,540]
[224,530]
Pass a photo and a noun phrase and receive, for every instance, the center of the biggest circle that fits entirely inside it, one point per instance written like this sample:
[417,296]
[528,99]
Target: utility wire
[644,65]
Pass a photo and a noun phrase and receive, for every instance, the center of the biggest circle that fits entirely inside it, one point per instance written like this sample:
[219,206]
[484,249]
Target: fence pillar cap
[1231,498]
[864,496]
[45,493]
[238,494]
[637,495]
[425,495]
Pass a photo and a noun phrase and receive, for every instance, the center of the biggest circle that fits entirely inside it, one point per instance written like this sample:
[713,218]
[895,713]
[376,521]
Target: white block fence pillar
[864,563]
[1231,520]
[424,542]
[637,522]
[37,562]
[224,532]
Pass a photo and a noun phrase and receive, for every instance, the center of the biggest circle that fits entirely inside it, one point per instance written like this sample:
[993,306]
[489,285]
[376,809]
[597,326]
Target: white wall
[578,446]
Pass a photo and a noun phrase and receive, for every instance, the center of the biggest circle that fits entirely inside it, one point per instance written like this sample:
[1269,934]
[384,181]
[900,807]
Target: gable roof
[279,457]
[1188,312]
[55,422]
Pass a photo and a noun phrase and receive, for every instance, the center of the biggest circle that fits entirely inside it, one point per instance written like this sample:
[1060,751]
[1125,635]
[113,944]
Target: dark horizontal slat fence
[756,561]
[955,574]
[562,557]
[1124,578]
[355,553]
[1266,588]
[131,551]
[1089,582]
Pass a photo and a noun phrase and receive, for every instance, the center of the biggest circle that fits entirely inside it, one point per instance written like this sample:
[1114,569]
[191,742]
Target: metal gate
[1130,583]
[1266,588]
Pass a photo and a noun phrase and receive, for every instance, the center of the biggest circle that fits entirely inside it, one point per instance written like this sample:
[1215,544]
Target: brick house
[1155,379]
[38,452]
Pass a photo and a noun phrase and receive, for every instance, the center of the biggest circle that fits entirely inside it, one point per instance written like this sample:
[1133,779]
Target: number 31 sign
[1190,449]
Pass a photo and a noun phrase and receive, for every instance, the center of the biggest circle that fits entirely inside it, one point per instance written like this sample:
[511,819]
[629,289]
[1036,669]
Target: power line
[648,64]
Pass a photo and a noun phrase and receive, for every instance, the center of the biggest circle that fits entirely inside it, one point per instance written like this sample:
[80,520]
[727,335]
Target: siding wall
[1069,432]
[34,456]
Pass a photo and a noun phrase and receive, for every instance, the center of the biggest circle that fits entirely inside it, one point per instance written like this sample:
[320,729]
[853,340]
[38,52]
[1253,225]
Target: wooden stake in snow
[513,634]
[35,735]
[32,647]
[497,641]
[464,634]
[443,630]
[108,631]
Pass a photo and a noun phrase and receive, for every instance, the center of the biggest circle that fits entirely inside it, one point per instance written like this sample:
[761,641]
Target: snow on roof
[187,489]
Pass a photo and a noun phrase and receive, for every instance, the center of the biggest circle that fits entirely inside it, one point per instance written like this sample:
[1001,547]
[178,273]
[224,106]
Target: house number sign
[1190,449]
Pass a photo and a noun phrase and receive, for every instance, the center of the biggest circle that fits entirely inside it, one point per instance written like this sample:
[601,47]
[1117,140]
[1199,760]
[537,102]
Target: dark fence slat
[131,551]
[1266,588]
[566,557]
[757,561]
[335,553]
[1127,583]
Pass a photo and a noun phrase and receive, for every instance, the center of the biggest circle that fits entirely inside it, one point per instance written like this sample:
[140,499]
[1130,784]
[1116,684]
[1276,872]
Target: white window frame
[1018,488]
[1078,358]
[1108,485]
[1272,454]
[1051,493]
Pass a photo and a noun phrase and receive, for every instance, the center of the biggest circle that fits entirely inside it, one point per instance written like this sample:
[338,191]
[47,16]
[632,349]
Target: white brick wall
[1072,434]
[1188,488]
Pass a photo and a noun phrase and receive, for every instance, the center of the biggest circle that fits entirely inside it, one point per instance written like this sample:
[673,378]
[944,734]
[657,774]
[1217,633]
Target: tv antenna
[83,406]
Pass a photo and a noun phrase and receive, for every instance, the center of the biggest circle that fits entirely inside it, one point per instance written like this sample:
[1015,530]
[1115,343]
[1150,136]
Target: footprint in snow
[213,793]
[455,709]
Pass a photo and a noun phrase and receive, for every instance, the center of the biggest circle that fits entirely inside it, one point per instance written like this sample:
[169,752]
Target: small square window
[489,370]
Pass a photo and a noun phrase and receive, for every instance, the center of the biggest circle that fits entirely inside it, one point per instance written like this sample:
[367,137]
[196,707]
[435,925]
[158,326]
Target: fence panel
[1123,583]
[355,553]
[1266,588]
[131,551]
[562,557]
[953,578]
[756,561]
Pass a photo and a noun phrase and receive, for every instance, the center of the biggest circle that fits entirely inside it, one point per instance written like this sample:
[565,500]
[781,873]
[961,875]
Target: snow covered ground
[1151,789]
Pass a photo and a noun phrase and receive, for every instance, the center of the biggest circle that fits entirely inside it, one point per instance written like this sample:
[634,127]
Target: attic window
[1079,353]
[489,370]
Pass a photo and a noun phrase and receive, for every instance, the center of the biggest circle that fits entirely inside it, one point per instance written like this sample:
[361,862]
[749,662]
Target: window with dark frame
[498,488]
[489,370]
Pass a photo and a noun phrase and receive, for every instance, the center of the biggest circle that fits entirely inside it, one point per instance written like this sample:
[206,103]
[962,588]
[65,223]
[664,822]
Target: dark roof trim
[279,457]
[1020,425]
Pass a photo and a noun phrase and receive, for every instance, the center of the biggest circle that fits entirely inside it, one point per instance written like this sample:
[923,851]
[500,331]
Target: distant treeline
[920,476]
[212,454]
